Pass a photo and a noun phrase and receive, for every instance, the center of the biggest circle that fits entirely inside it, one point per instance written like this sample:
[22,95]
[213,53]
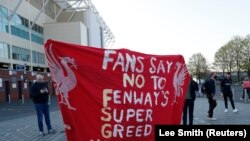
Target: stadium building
[25,25]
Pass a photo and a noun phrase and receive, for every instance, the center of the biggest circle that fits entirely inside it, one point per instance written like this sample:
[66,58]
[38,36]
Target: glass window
[41,30]
[38,57]
[1,50]
[37,39]
[19,27]
[33,57]
[20,54]
[26,23]
[4,51]
[5,27]
[3,19]
[19,32]
[26,35]
[37,28]
[1,26]
[4,12]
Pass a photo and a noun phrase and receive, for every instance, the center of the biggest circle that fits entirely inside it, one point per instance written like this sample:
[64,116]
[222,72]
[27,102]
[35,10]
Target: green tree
[221,59]
[237,49]
[197,65]
[246,55]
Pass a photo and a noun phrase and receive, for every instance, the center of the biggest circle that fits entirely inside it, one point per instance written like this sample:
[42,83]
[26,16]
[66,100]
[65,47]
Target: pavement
[17,109]
[242,117]
[18,121]
[26,129]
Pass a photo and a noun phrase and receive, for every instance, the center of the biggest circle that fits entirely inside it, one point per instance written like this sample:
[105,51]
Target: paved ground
[18,121]
[25,129]
[16,109]
[240,118]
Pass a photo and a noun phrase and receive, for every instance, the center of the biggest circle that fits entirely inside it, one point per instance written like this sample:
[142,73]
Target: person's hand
[46,90]
[213,96]
[42,91]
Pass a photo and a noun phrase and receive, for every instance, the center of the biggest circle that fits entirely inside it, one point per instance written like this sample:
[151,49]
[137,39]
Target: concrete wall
[72,32]
[4,37]
[93,29]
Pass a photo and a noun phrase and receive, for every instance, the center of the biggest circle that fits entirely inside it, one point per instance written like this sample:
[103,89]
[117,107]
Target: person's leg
[191,111]
[39,112]
[243,94]
[230,96]
[184,116]
[225,100]
[210,101]
[214,104]
[46,115]
[248,92]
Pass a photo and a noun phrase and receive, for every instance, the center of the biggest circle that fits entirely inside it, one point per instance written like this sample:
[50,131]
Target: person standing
[39,94]
[227,91]
[189,101]
[210,91]
[246,89]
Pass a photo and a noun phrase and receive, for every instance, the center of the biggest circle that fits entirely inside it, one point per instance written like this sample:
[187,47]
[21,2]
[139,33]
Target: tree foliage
[233,56]
[246,55]
[197,65]
[222,59]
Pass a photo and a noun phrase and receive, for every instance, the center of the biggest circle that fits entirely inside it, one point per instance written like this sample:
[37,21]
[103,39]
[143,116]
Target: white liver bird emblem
[179,77]
[64,82]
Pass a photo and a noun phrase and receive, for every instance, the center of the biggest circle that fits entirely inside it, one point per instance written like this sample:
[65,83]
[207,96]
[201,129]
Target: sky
[175,26]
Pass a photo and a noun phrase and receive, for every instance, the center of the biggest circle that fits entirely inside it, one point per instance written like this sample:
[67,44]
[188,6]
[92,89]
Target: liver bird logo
[62,75]
[179,77]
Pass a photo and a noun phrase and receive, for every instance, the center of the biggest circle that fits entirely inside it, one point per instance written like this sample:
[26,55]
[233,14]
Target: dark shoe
[51,131]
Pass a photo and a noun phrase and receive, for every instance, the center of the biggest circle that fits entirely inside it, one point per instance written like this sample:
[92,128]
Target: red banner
[115,94]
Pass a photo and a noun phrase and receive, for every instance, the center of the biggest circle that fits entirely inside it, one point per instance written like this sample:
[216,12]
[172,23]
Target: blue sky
[175,26]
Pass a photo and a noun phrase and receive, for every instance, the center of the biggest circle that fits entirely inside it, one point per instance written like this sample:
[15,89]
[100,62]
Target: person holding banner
[40,94]
[137,91]
[189,101]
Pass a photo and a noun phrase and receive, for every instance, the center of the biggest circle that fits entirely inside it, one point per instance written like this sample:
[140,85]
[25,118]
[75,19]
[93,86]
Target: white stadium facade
[25,25]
